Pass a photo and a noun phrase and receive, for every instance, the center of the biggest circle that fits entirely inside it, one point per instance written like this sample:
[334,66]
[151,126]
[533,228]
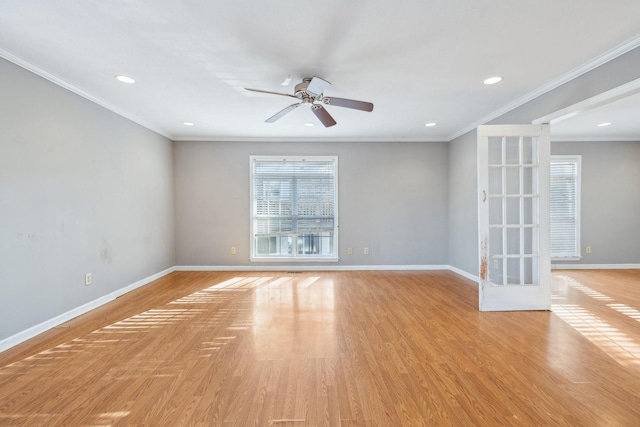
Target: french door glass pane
[513,271]
[527,210]
[513,241]
[528,153]
[512,150]
[495,181]
[495,235]
[513,180]
[495,150]
[527,180]
[528,271]
[497,271]
[513,210]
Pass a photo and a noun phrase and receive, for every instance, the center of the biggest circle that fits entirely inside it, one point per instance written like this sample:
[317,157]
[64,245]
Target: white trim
[615,94]
[295,259]
[68,86]
[595,266]
[283,268]
[464,274]
[593,139]
[31,332]
[575,73]
[298,140]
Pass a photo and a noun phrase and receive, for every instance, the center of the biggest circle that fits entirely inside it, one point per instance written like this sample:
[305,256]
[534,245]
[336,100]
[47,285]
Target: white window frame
[577,159]
[294,256]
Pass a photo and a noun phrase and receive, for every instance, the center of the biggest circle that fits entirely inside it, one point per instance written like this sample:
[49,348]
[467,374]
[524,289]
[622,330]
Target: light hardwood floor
[334,349]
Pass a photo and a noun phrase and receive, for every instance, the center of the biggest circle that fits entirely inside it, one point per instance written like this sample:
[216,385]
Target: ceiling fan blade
[281,113]
[269,92]
[317,86]
[323,115]
[348,103]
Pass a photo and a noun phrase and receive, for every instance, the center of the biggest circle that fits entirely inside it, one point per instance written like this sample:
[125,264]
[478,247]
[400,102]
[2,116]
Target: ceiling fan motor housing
[301,91]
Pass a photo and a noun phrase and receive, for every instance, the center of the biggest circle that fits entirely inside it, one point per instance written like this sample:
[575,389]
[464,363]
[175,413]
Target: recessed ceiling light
[601,125]
[493,80]
[125,79]
[430,125]
[309,124]
[188,123]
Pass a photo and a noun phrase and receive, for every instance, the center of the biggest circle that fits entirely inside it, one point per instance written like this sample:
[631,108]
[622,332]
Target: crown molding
[78,91]
[185,138]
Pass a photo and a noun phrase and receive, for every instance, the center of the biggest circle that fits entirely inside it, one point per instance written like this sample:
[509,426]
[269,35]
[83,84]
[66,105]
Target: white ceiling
[418,61]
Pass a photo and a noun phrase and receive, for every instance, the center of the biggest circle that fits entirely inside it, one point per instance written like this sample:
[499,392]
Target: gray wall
[463,249]
[610,200]
[392,199]
[81,190]
[463,207]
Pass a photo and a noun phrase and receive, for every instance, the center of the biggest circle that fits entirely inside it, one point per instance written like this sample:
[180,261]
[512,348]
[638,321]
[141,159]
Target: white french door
[513,217]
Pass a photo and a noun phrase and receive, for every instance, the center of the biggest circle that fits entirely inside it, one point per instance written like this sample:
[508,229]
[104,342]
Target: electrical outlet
[88,279]
[233,250]
[366,251]
[350,251]
[588,249]
[496,265]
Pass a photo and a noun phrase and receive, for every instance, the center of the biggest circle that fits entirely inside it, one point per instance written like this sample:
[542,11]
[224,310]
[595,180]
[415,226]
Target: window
[294,205]
[565,207]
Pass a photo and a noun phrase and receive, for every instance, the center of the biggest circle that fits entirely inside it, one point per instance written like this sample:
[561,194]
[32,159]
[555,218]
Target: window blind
[565,206]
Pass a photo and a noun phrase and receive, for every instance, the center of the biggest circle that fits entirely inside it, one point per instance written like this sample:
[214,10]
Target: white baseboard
[594,266]
[309,267]
[463,273]
[22,336]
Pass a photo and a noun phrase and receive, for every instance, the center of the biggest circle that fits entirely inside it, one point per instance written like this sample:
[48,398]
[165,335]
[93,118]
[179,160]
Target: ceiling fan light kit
[311,92]
[286,81]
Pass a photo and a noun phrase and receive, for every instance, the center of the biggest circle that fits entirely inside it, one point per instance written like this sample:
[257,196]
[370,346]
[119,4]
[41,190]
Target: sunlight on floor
[565,281]
[127,330]
[109,418]
[302,308]
[610,339]
[626,310]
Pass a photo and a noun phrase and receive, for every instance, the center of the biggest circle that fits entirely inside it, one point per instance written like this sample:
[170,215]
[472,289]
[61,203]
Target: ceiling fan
[311,92]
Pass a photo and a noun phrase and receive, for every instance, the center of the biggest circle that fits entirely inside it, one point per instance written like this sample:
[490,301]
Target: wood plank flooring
[334,349]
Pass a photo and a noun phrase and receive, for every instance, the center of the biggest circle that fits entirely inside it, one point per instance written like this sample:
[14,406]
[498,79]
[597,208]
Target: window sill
[294,259]
[567,258]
